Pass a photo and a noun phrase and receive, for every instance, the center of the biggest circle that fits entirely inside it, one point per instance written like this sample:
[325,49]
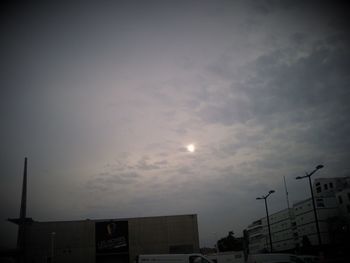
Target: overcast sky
[103,99]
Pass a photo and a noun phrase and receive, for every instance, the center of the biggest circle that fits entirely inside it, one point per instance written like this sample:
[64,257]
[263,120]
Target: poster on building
[111,237]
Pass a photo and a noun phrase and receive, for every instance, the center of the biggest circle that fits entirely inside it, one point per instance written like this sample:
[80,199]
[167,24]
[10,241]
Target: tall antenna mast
[22,216]
[285,187]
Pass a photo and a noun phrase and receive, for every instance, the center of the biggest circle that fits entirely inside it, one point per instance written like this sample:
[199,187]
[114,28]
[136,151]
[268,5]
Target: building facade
[324,187]
[257,239]
[282,225]
[109,240]
[290,226]
[326,208]
[283,230]
[343,200]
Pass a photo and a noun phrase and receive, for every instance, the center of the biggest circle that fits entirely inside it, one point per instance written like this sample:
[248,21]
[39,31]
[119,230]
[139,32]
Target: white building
[289,226]
[326,207]
[343,200]
[330,186]
[283,229]
[257,237]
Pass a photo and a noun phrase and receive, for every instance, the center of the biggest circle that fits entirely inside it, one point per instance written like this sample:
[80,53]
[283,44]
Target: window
[317,184]
[330,185]
[340,199]
[325,187]
[318,189]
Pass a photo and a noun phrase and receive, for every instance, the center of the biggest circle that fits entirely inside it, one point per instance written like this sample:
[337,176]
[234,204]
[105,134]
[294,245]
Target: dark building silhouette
[102,240]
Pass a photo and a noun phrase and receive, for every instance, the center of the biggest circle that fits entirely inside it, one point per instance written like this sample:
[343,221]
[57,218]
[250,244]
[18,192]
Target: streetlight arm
[267,214]
[318,167]
[302,177]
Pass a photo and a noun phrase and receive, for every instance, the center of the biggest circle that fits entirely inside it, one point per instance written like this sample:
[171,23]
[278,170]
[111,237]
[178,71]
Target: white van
[173,258]
[227,257]
[274,258]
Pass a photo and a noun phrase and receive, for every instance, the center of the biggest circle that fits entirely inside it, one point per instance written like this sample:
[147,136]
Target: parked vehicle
[309,258]
[227,257]
[274,258]
[173,258]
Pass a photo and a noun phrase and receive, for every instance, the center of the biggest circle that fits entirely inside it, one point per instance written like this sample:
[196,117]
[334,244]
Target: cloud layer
[103,100]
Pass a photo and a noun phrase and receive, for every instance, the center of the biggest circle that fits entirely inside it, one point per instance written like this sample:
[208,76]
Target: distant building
[256,235]
[343,200]
[283,230]
[326,208]
[109,240]
[289,226]
[325,187]
[100,241]
[283,237]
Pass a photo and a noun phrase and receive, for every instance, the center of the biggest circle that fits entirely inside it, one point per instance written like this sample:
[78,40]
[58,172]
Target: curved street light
[267,214]
[308,175]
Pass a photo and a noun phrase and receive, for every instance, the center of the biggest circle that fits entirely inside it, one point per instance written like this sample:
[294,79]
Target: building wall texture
[325,187]
[326,208]
[162,235]
[343,200]
[74,241]
[70,241]
[282,233]
[288,227]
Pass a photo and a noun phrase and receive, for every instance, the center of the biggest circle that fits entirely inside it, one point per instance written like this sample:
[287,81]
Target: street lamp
[318,167]
[267,214]
[52,245]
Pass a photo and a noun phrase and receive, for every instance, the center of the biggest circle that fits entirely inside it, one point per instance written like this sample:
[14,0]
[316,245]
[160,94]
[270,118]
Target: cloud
[106,106]
[108,181]
[282,88]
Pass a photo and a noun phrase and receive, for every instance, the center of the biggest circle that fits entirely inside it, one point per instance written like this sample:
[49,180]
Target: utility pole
[313,200]
[22,217]
[52,246]
[267,215]
[285,187]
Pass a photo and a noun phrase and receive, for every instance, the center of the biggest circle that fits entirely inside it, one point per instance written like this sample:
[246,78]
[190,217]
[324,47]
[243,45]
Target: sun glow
[191,148]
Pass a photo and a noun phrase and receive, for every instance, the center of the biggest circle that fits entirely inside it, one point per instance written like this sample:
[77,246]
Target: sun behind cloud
[191,148]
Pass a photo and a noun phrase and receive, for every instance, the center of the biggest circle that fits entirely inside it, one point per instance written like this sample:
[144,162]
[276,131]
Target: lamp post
[318,167]
[52,246]
[267,214]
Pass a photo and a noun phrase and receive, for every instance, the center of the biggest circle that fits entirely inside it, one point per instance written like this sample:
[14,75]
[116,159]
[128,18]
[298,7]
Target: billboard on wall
[112,237]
